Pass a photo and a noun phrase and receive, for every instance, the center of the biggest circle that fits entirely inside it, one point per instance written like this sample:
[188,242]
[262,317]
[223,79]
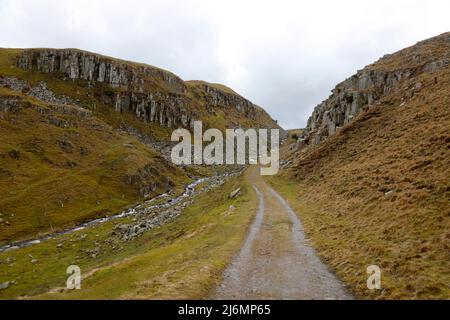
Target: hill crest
[153,95]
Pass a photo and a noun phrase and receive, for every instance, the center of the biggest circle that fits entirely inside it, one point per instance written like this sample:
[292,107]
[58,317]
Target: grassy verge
[183,259]
[349,240]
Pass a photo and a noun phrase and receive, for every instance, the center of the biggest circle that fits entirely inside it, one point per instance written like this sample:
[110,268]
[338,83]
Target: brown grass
[378,193]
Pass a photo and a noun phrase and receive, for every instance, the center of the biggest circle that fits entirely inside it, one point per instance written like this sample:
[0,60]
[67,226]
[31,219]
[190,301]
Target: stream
[189,190]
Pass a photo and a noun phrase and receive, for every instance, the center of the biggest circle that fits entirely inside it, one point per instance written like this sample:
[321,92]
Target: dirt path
[276,260]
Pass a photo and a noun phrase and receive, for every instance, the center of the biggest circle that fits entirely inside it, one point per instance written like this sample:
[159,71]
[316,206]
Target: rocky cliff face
[77,64]
[152,94]
[371,84]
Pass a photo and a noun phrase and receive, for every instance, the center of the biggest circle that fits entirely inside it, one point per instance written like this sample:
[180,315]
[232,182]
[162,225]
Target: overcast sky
[285,56]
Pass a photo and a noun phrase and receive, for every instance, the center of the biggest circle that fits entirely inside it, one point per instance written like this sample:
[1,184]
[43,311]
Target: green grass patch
[183,259]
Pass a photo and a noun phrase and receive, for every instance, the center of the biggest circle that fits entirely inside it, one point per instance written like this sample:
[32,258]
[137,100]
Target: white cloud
[283,55]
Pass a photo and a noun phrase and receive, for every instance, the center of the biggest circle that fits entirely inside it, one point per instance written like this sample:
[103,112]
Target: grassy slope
[341,191]
[66,175]
[79,90]
[182,259]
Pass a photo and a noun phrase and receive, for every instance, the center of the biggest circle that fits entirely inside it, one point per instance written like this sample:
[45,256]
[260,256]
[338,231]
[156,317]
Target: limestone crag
[216,97]
[369,85]
[168,110]
[152,94]
[77,64]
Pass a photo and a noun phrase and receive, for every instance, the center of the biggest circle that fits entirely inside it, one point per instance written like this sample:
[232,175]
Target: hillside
[391,74]
[370,176]
[85,136]
[60,165]
[85,177]
[152,95]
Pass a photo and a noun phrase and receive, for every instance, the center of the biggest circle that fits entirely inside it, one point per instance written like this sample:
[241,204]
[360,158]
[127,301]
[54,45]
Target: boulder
[234,193]
[5,285]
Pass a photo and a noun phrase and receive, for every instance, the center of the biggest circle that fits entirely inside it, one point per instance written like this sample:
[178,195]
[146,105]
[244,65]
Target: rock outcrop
[77,64]
[152,94]
[369,85]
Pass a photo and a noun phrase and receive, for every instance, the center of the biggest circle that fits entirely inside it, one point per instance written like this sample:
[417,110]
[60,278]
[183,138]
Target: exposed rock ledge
[153,94]
[369,85]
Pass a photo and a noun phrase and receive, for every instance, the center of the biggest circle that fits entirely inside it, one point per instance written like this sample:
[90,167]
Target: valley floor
[252,246]
[182,259]
[277,261]
[216,248]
